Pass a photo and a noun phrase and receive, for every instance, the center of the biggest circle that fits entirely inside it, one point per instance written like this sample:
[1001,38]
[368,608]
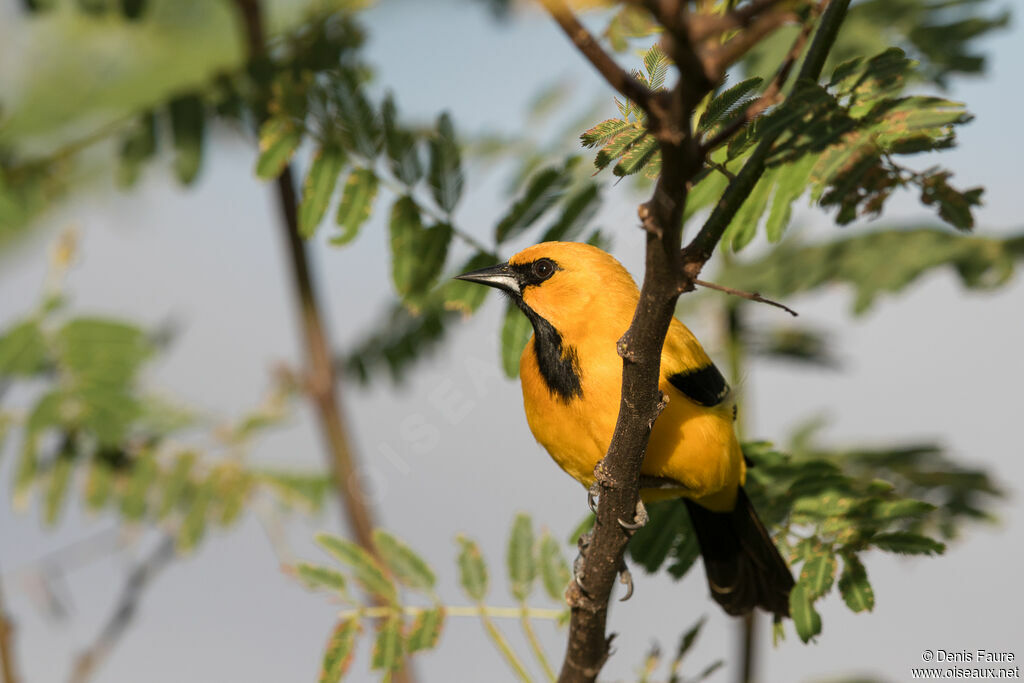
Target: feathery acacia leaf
[339,652]
[638,156]
[522,563]
[726,101]
[356,204]
[409,568]
[854,585]
[279,138]
[554,570]
[472,570]
[426,630]
[603,132]
[188,121]
[577,211]
[445,176]
[366,570]
[318,187]
[417,253]
[387,648]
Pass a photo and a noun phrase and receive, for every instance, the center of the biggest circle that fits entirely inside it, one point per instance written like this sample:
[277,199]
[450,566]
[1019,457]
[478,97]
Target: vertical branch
[322,371]
[7,669]
[322,380]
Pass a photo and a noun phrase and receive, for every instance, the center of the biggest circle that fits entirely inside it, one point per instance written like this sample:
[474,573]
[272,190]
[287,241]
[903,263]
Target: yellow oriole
[580,301]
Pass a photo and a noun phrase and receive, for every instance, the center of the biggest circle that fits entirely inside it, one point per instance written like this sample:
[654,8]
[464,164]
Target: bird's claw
[626,579]
[639,520]
[592,493]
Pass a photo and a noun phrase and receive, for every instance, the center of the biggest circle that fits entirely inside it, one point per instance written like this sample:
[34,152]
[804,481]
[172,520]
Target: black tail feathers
[744,568]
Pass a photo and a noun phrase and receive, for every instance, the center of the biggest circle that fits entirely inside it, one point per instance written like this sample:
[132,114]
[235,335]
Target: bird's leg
[592,494]
[639,520]
[626,579]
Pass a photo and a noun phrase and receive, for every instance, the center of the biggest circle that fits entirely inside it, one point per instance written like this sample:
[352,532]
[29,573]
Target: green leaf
[906,543]
[279,138]
[417,253]
[726,101]
[56,493]
[472,570]
[359,128]
[618,145]
[651,545]
[320,578]
[688,639]
[309,490]
[577,211]
[187,123]
[445,175]
[366,569]
[638,156]
[401,146]
[542,191]
[137,146]
[854,585]
[554,570]
[817,574]
[175,484]
[339,651]
[522,563]
[99,351]
[515,333]
[603,132]
[387,649]
[318,188]
[408,567]
[656,64]
[463,296]
[135,497]
[791,182]
[22,350]
[801,608]
[193,527]
[99,485]
[356,204]
[426,630]
[744,225]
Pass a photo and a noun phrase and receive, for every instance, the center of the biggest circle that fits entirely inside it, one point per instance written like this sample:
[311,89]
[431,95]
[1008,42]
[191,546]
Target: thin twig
[705,26]
[719,59]
[750,296]
[124,612]
[386,611]
[503,646]
[617,77]
[534,641]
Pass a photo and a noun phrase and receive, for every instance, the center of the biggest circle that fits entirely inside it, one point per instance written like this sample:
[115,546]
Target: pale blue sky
[210,257]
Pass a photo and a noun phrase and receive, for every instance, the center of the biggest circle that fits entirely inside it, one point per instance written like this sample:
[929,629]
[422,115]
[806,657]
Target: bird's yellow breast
[691,444]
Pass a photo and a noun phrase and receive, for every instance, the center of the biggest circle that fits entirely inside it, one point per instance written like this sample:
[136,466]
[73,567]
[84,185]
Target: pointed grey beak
[499,276]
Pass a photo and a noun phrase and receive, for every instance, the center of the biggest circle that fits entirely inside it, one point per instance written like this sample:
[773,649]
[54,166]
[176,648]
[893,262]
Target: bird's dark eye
[543,268]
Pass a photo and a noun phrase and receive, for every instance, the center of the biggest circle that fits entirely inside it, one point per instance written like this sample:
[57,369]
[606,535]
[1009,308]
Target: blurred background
[446,448]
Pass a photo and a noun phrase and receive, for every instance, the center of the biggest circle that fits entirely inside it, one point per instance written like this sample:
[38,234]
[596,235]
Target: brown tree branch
[124,612]
[717,60]
[705,26]
[617,77]
[7,668]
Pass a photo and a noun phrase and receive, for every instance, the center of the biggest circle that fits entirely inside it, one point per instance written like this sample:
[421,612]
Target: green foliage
[515,333]
[542,192]
[91,423]
[404,629]
[188,121]
[858,260]
[319,185]
[674,673]
[522,560]
[832,505]
[356,204]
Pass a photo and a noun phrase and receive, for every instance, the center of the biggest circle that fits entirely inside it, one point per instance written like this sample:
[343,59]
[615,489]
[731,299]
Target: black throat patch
[559,364]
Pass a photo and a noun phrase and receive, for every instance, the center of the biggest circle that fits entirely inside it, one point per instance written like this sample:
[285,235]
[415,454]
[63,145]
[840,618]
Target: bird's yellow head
[562,283]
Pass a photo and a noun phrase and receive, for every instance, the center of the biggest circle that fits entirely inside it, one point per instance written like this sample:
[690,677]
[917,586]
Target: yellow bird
[580,301]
